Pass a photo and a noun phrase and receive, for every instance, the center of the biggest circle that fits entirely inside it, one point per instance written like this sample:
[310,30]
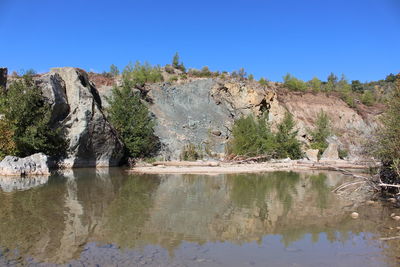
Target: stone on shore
[312,154]
[331,152]
[36,164]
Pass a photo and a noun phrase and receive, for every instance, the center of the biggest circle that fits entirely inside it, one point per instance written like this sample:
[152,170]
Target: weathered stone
[3,78]
[354,215]
[36,164]
[312,154]
[331,152]
[76,107]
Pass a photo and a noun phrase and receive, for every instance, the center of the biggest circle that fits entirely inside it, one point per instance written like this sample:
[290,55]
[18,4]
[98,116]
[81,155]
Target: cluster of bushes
[139,74]
[387,148]
[321,132]
[252,136]
[25,122]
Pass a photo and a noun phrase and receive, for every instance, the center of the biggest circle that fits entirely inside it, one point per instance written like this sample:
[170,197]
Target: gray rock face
[187,113]
[312,154]
[36,164]
[331,152]
[77,107]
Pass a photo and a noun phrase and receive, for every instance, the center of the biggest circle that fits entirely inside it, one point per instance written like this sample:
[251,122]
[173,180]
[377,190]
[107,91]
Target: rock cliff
[77,108]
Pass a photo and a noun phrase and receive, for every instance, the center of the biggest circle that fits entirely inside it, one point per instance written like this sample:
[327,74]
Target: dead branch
[389,238]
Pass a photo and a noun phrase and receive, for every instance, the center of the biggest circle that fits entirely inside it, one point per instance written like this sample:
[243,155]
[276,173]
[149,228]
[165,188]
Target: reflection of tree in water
[250,189]
[128,212]
[318,183]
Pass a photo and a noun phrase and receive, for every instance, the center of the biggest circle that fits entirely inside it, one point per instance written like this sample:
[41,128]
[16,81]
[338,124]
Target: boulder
[331,152]
[36,164]
[77,108]
[312,154]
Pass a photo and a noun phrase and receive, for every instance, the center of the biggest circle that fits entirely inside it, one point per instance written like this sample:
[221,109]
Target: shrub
[169,69]
[204,72]
[321,132]
[190,153]
[263,81]
[132,120]
[357,86]
[368,98]
[177,64]
[173,79]
[25,123]
[343,153]
[294,84]
[251,137]
[114,71]
[139,75]
[315,84]
[287,144]
[251,77]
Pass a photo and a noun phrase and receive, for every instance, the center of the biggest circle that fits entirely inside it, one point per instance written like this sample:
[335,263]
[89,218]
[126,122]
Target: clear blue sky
[360,38]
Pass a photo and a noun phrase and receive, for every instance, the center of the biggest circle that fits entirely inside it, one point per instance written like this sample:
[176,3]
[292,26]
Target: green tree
[132,120]
[357,86]
[114,71]
[262,81]
[251,137]
[321,132]
[287,144]
[251,77]
[315,84]
[368,98]
[177,64]
[25,122]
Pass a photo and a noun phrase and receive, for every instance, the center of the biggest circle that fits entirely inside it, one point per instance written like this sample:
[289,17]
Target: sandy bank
[226,168]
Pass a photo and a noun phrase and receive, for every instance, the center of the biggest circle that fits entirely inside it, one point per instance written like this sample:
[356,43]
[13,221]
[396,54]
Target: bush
[251,77]
[169,69]
[321,132]
[368,98]
[191,153]
[263,81]
[132,120]
[25,122]
[204,72]
[173,79]
[315,84]
[287,144]
[294,84]
[114,71]
[138,75]
[177,64]
[253,137]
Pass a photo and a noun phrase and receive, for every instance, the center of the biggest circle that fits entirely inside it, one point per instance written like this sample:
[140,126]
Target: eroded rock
[312,154]
[36,164]
[331,152]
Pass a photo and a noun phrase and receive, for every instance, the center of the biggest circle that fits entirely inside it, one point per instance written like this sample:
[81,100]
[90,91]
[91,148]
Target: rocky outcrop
[37,164]
[330,153]
[77,108]
[312,154]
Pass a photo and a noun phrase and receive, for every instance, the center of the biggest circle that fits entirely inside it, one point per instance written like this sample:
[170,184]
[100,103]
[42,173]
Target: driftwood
[389,185]
[186,163]
[241,160]
[389,238]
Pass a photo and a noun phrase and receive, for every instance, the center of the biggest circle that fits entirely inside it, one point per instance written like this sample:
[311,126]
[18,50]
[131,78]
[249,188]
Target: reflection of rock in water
[12,183]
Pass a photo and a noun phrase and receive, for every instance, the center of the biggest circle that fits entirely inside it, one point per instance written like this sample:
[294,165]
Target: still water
[109,218]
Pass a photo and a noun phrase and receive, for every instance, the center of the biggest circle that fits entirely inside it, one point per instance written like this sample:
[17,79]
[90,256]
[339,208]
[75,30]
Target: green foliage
[346,93]
[294,84]
[368,98]
[203,73]
[321,132]
[132,120]
[287,144]
[252,137]
[177,64]
[191,153]
[25,122]
[173,79]
[343,153]
[169,69]
[356,86]
[139,75]
[114,71]
[251,77]
[388,149]
[263,81]
[315,84]
[240,74]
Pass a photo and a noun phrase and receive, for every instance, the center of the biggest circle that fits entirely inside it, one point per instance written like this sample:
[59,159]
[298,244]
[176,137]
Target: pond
[104,217]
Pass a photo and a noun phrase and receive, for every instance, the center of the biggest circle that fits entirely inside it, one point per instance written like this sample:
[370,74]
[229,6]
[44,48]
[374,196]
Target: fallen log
[389,238]
[186,163]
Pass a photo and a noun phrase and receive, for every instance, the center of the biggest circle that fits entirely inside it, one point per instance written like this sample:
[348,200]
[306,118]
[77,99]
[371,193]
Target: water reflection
[58,222]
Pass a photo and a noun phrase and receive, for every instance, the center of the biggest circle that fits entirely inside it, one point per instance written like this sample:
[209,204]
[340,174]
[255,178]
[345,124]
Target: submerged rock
[36,164]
